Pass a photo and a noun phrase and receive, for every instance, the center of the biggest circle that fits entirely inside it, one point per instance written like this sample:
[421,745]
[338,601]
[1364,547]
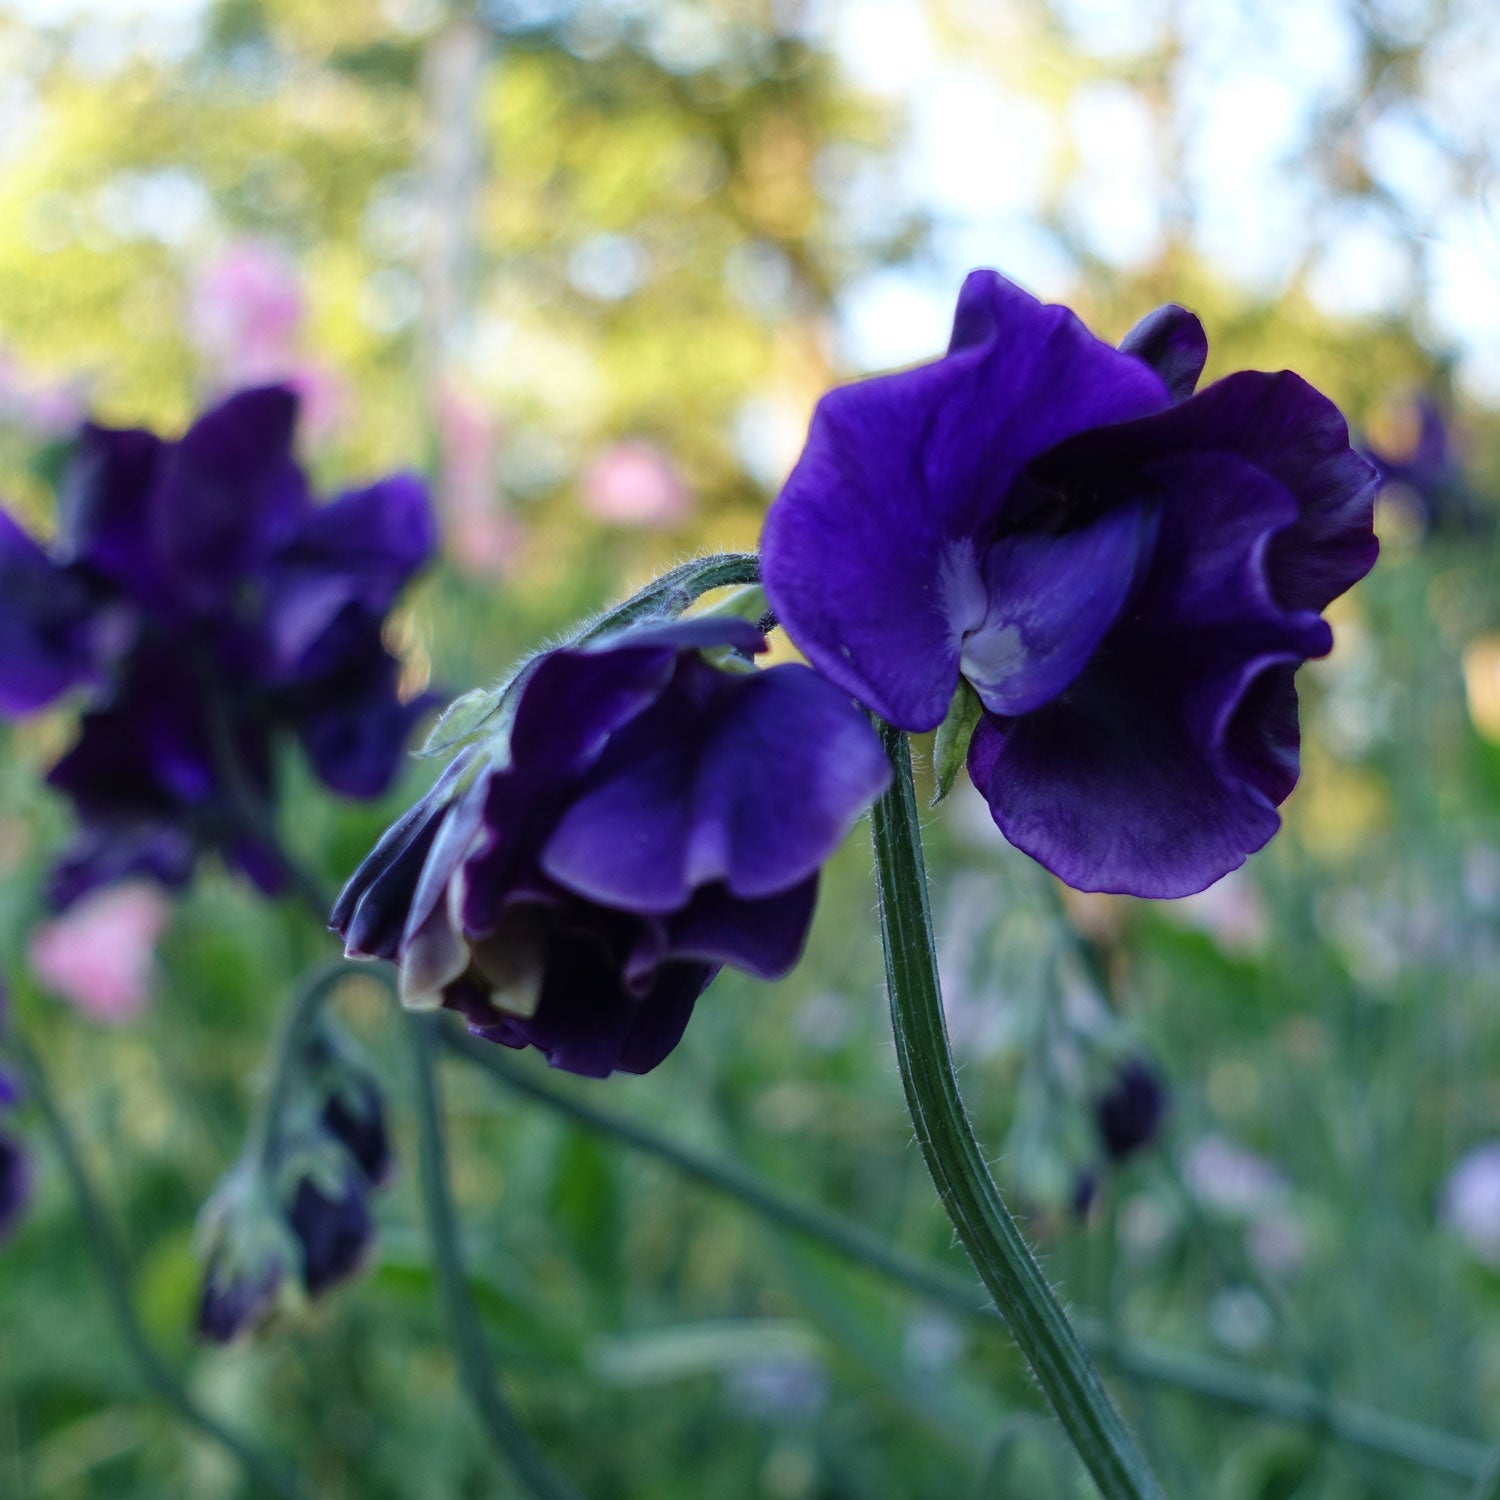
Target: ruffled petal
[1283,427]
[1172,342]
[764,938]
[871,553]
[755,793]
[1159,769]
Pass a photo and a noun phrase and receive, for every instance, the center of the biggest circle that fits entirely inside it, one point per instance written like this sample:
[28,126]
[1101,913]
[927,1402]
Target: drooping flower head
[652,815]
[1129,1113]
[1126,574]
[212,608]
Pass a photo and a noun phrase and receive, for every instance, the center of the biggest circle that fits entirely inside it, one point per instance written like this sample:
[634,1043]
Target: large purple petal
[1172,341]
[871,553]
[231,495]
[755,793]
[1108,788]
[45,635]
[1051,599]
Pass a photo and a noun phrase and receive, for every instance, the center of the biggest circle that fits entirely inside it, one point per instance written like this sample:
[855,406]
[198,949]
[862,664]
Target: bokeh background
[588,265]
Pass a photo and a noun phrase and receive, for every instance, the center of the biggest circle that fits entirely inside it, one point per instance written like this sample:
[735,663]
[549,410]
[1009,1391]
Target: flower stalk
[476,1369]
[985,1228]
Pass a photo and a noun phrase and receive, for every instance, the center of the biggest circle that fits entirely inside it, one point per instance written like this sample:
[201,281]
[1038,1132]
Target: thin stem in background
[476,1369]
[264,1475]
[1224,1382]
[307,1000]
[968,1192]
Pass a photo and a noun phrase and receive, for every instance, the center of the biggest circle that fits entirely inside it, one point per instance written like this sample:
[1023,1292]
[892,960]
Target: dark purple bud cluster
[210,607]
[301,1215]
[657,808]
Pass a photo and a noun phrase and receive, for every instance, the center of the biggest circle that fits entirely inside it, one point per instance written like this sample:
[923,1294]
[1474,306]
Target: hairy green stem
[264,1475]
[476,1369]
[968,1192]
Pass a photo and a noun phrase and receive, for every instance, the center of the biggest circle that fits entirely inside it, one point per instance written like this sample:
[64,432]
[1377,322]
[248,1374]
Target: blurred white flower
[1471,1202]
[1227,1177]
[1230,911]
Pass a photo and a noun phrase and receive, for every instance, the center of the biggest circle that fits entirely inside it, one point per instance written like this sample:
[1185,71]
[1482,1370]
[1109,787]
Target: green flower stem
[476,1369]
[302,1009]
[264,1475]
[985,1228]
[1223,1382]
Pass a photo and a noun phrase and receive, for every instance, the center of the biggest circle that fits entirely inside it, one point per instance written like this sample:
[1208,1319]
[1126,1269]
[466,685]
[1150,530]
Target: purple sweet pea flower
[215,608]
[1126,574]
[651,817]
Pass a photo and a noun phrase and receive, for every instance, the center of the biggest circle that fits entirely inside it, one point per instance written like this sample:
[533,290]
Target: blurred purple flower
[1428,479]
[651,818]
[214,608]
[1130,1112]
[1125,573]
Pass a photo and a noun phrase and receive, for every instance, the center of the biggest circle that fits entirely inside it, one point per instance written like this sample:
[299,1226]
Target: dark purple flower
[236,1298]
[1126,574]
[214,608]
[1429,479]
[650,817]
[15,1182]
[1130,1112]
[355,1117]
[334,1230]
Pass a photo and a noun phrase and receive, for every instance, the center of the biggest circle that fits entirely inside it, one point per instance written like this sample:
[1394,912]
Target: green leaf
[953,736]
[462,719]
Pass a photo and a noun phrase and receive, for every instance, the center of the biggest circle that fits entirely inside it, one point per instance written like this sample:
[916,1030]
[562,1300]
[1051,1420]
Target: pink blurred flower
[482,536]
[98,955]
[245,311]
[634,483]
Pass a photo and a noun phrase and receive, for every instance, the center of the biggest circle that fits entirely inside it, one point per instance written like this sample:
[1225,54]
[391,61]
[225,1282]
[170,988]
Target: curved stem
[476,1369]
[985,1228]
[1224,1382]
[301,1010]
[265,1476]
